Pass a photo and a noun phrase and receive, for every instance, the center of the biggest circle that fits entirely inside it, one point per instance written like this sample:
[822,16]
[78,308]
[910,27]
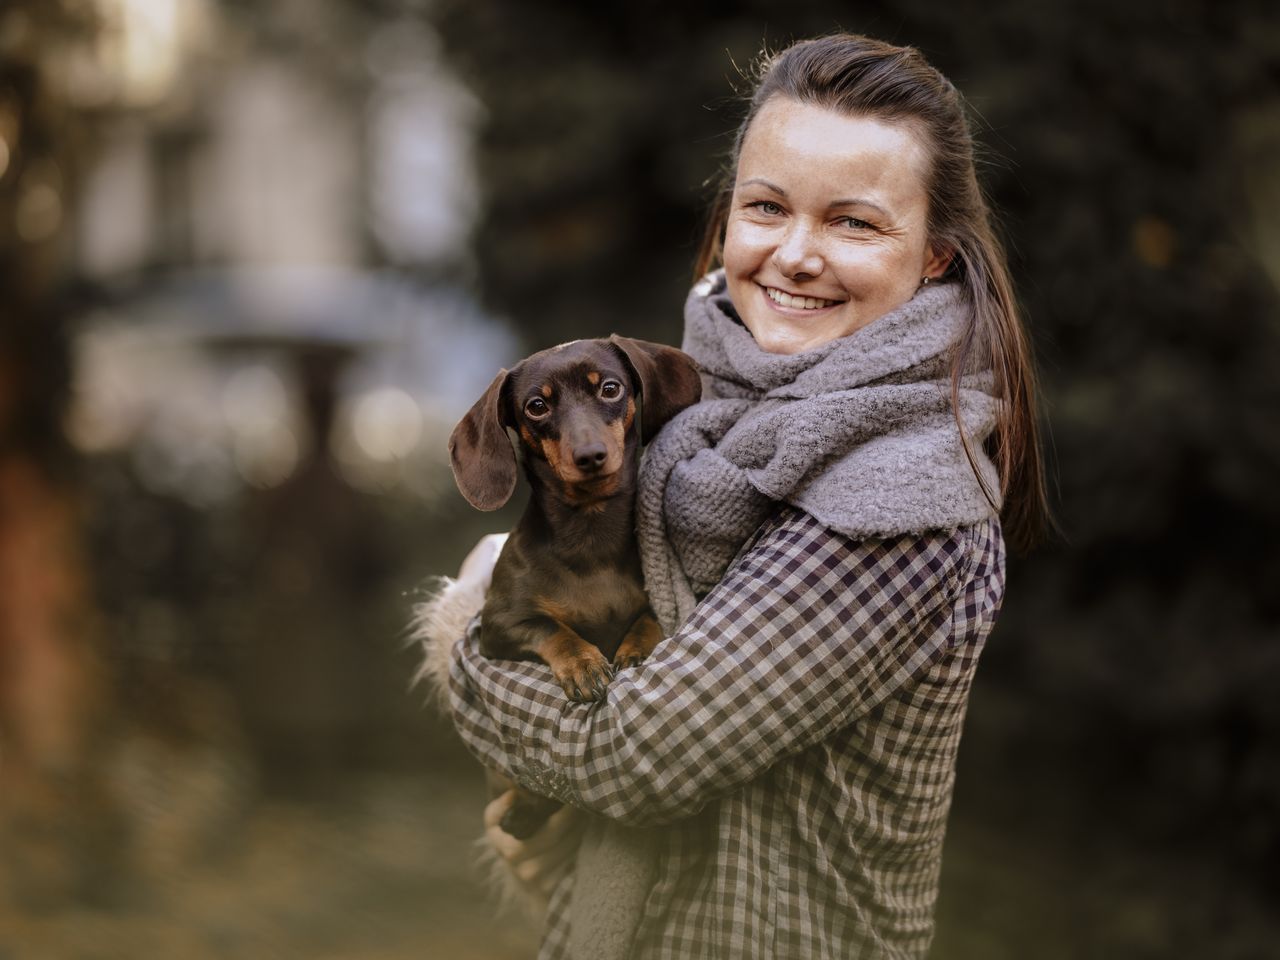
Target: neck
[590,529]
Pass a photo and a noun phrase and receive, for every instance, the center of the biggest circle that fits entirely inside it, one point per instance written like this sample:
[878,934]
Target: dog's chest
[600,598]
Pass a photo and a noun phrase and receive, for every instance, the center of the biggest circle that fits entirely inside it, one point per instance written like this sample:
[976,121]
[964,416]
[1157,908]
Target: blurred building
[274,184]
[276,331]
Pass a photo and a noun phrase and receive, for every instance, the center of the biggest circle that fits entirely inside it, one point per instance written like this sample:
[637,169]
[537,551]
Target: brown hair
[859,76]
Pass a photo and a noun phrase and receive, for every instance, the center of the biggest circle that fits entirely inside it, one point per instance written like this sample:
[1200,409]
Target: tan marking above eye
[593,378]
[546,390]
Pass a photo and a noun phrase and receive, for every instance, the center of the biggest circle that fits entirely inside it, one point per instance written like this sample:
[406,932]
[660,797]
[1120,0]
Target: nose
[589,457]
[798,255]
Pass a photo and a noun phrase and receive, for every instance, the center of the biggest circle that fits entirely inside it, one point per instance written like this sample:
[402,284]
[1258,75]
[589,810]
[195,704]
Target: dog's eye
[536,408]
[610,390]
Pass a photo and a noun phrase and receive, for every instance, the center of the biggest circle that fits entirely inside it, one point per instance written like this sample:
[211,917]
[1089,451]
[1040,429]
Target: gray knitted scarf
[858,433]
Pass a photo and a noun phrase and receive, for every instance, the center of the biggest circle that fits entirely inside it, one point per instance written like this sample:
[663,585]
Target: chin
[772,339]
[785,346]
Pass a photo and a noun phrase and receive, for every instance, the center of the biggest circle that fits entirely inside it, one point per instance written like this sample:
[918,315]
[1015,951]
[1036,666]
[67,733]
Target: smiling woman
[822,545]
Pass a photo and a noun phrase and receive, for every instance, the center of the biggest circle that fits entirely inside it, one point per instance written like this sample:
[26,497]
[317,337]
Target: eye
[854,223]
[535,408]
[610,390]
[767,207]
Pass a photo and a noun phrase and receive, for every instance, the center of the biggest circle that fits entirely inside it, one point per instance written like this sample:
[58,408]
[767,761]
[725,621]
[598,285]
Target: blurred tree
[1153,625]
[53,812]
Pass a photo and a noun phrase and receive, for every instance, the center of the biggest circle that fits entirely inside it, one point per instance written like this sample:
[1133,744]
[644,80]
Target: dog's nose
[589,457]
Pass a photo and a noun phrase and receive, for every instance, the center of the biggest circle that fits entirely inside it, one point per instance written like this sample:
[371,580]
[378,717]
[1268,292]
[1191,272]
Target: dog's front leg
[643,635]
[580,668]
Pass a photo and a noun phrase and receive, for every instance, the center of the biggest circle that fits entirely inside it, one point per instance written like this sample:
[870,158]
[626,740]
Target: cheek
[874,271]
[743,247]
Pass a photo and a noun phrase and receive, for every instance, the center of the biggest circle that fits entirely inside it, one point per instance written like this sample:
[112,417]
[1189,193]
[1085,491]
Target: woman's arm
[807,632]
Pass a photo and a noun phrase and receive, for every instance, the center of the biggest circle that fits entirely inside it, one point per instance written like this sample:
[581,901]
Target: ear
[484,464]
[938,260]
[667,379]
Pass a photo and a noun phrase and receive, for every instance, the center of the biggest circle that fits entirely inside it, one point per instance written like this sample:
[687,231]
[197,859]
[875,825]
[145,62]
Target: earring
[924,281]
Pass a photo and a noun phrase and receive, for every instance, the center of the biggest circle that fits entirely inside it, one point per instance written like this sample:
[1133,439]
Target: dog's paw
[629,655]
[585,676]
[644,635]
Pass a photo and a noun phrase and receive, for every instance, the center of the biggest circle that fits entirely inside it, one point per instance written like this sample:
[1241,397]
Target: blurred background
[257,258]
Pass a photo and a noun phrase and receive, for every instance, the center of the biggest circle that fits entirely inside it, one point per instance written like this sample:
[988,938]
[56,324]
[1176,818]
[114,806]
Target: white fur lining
[438,622]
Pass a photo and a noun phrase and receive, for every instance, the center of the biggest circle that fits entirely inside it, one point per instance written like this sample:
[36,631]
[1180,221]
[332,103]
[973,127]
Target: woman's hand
[542,860]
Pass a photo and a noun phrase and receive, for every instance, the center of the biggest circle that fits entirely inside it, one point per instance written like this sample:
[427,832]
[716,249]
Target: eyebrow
[851,202]
[762,182]
[859,202]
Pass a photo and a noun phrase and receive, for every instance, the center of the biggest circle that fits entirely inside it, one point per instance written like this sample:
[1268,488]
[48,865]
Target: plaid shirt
[798,734]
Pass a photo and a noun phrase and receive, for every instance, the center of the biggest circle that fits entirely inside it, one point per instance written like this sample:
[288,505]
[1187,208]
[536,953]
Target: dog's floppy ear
[484,464]
[666,377]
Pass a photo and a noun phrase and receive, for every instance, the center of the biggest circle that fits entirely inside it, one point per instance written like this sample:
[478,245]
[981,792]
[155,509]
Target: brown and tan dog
[567,588]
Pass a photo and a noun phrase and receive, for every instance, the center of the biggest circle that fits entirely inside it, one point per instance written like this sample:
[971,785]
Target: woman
[822,542]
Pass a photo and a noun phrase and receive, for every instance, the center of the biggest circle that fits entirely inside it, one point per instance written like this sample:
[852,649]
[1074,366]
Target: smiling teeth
[798,303]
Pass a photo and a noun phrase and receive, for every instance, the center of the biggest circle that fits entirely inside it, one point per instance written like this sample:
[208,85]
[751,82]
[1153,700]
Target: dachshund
[567,588]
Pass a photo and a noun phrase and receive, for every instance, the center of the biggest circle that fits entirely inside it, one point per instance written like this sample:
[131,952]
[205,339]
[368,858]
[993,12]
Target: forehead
[570,364]
[803,147]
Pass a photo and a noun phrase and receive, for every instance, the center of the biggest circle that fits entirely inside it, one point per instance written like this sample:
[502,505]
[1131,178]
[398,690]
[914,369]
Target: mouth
[790,301]
[587,479]
[596,488]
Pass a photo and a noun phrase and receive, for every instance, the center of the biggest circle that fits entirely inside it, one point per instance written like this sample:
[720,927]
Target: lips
[783,299]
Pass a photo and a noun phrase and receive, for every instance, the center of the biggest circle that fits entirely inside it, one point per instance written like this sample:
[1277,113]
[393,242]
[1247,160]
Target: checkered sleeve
[807,632]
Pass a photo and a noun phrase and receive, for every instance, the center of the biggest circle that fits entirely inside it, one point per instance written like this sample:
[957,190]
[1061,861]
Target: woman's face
[827,227]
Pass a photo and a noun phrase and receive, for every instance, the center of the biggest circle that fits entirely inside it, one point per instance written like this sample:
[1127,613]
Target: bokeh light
[387,423]
[264,425]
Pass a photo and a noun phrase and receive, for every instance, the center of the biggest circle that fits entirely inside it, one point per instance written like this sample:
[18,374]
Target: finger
[560,829]
[564,822]
[547,882]
[507,846]
[540,876]
[540,871]
[517,851]
[497,807]
[552,847]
